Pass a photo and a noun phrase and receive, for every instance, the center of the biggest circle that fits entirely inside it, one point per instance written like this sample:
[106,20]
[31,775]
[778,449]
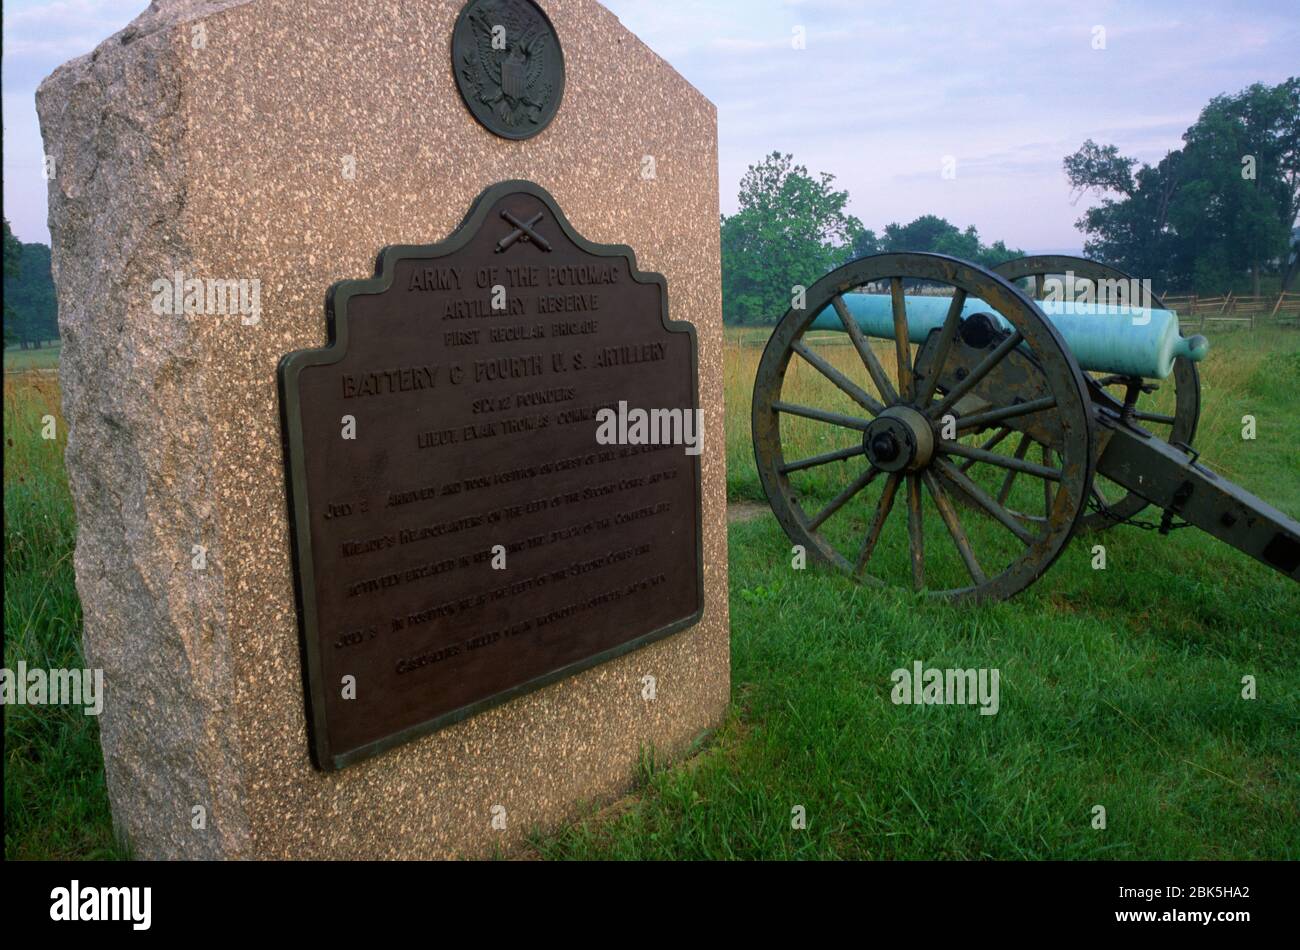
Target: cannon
[1111,345]
[1022,420]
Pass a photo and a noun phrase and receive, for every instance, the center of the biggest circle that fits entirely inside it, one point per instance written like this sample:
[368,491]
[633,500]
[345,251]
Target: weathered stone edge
[139,450]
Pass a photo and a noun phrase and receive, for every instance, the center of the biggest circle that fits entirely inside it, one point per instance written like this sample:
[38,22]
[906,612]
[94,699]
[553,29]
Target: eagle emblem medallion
[509,66]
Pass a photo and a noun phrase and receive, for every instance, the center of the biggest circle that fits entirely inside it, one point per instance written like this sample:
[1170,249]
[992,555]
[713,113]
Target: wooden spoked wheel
[1169,409]
[848,429]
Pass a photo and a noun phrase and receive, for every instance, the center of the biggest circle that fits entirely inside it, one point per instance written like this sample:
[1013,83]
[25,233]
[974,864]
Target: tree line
[1212,216]
[1215,215]
[792,227]
[31,315]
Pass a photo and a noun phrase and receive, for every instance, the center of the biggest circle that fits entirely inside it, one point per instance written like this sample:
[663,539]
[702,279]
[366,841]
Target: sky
[881,95]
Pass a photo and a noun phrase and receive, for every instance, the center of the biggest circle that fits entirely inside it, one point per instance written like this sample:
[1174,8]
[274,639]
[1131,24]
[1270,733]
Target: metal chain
[1132,521]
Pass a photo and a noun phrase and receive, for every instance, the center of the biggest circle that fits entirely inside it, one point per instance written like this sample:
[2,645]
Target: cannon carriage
[997,418]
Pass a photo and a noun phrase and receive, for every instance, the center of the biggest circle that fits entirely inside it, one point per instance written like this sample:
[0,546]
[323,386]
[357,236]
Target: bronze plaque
[460,533]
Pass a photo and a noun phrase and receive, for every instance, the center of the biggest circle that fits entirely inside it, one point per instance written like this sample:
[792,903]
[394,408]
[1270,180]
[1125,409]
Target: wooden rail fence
[1201,313]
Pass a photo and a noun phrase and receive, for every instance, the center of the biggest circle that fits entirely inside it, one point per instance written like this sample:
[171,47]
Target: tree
[1094,168]
[1218,208]
[939,236]
[865,244]
[13,268]
[1132,233]
[1241,165]
[790,230]
[1293,269]
[30,313]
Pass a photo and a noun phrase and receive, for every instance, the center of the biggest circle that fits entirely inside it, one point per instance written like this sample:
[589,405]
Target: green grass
[56,805]
[47,357]
[1119,688]
[1100,704]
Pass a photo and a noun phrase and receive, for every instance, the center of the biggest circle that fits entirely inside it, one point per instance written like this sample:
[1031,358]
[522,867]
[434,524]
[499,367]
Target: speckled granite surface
[210,138]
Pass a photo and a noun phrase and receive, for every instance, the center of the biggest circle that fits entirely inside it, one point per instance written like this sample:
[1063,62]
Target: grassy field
[1119,687]
[47,357]
[55,802]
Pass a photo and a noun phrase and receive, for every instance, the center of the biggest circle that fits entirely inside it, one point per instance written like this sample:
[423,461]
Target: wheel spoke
[816,460]
[981,420]
[902,339]
[981,498]
[949,515]
[1047,485]
[840,500]
[915,531]
[877,523]
[1003,461]
[941,349]
[821,415]
[863,346]
[1005,491]
[1001,434]
[846,385]
[977,374]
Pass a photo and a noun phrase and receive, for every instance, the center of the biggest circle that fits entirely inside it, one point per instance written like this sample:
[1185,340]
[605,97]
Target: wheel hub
[899,439]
